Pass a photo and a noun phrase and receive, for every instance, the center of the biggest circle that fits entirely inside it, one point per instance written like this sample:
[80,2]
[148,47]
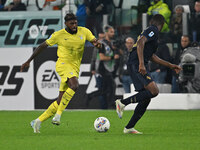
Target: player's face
[72,25]
[185,41]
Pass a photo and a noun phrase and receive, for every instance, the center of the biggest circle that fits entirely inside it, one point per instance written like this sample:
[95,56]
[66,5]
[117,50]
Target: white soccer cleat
[119,108]
[56,119]
[36,126]
[131,131]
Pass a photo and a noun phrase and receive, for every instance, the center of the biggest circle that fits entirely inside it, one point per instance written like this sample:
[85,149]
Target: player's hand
[96,43]
[176,68]
[24,66]
[142,69]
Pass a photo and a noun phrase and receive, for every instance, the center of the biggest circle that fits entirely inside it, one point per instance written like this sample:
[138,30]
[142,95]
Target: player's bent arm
[140,48]
[174,67]
[160,61]
[38,50]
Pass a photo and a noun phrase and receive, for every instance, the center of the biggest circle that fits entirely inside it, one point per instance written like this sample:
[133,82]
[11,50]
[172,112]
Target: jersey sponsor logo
[151,34]
[148,77]
[47,80]
[9,76]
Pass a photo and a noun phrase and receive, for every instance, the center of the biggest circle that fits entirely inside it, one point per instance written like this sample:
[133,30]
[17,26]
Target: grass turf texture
[162,130]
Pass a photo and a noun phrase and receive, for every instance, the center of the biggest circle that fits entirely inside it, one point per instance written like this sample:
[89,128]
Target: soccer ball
[101,124]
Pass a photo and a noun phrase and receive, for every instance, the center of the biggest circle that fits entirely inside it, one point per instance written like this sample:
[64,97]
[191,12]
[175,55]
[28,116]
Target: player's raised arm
[40,48]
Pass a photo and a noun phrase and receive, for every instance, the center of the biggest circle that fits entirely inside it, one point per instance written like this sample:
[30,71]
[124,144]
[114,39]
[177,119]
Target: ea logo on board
[47,80]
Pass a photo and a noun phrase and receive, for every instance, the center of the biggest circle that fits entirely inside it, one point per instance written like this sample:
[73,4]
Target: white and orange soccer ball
[101,124]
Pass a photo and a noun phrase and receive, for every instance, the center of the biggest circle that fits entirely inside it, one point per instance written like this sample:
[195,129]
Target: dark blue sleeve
[150,33]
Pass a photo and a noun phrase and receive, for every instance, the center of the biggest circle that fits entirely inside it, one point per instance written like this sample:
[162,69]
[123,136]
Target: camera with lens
[189,78]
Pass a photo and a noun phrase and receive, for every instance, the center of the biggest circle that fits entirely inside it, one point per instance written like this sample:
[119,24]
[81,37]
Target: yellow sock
[67,96]
[51,110]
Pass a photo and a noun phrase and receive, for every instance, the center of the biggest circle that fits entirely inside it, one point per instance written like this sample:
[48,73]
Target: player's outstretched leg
[119,108]
[140,109]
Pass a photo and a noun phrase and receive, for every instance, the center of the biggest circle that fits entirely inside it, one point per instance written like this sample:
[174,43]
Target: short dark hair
[70,16]
[184,35]
[157,19]
[107,27]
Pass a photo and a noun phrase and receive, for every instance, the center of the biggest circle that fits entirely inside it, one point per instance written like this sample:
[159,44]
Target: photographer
[185,43]
[108,58]
[189,78]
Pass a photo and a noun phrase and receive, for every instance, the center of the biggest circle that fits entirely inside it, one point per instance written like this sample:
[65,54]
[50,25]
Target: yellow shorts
[65,71]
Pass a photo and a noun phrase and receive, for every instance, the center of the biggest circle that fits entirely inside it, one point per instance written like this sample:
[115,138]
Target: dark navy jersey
[150,47]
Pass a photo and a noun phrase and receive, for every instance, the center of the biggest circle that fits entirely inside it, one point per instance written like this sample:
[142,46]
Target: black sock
[139,97]
[138,113]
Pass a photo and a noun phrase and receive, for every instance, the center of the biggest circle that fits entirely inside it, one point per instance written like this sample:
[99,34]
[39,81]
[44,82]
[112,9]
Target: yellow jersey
[70,46]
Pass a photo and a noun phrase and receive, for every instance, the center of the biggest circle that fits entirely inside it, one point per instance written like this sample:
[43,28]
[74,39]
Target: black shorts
[138,79]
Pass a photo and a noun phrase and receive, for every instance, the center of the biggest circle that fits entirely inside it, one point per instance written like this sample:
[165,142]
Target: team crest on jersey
[81,37]
[151,34]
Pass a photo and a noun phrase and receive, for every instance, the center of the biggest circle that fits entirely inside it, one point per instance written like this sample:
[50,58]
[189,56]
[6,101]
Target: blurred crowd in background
[121,21]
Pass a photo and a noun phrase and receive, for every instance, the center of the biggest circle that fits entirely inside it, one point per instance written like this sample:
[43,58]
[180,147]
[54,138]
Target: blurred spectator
[158,7]
[159,72]
[176,24]
[108,58]
[195,22]
[185,43]
[95,10]
[81,12]
[16,5]
[123,71]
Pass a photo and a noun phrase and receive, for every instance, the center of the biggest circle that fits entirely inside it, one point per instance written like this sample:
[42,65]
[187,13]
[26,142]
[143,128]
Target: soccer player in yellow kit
[70,41]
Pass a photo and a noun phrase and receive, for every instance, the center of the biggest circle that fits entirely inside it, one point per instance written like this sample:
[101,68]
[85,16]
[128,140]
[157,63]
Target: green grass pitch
[162,130]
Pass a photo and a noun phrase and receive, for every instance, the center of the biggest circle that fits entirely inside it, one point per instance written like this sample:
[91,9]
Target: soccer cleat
[119,108]
[131,131]
[36,126]
[56,119]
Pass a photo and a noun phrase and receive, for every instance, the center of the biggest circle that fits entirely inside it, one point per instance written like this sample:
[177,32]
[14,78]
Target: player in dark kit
[143,51]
